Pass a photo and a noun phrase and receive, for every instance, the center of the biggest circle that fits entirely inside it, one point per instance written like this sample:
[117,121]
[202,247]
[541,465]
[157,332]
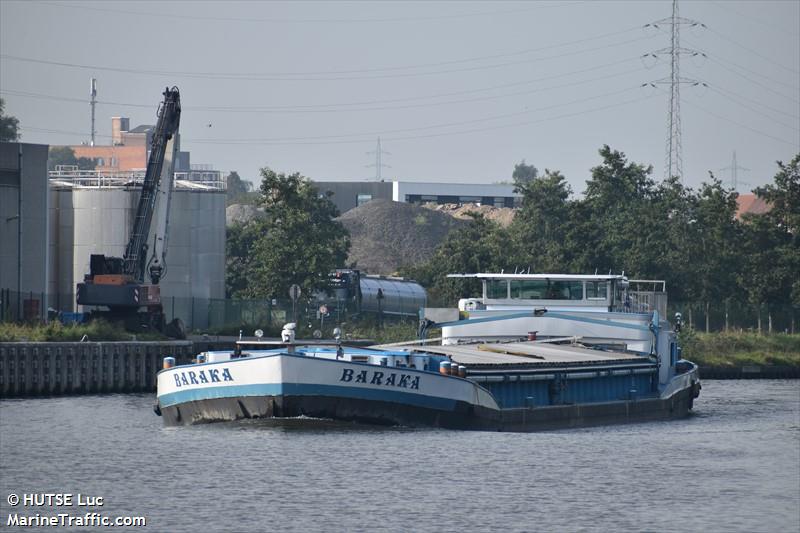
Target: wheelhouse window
[496,289]
[597,290]
[528,289]
[542,289]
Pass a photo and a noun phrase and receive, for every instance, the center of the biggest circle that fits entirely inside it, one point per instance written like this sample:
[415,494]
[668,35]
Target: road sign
[294,292]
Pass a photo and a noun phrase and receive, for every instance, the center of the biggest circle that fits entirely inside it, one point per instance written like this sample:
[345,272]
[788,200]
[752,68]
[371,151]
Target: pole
[93,95]
[19,237]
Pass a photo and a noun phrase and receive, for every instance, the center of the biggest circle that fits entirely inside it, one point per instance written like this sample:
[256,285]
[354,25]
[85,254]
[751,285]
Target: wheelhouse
[614,293]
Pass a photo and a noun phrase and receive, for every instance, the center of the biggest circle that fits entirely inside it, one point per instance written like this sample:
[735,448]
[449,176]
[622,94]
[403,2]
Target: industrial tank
[97,217]
[374,294]
[393,296]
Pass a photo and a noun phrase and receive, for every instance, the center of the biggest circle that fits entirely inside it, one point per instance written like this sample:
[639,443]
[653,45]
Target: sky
[457,91]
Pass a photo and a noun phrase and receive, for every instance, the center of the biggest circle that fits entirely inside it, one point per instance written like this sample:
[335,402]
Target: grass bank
[95,331]
[736,349]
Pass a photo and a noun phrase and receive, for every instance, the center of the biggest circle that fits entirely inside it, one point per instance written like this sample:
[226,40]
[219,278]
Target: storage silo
[93,214]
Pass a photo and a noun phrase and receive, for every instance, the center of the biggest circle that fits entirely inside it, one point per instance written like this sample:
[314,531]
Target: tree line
[626,221]
[629,222]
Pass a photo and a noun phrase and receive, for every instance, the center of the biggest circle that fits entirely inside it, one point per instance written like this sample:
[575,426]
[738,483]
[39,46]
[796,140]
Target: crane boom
[169,115]
[117,283]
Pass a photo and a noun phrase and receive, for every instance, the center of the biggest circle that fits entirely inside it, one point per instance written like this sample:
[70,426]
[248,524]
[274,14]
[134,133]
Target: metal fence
[214,315]
[198,314]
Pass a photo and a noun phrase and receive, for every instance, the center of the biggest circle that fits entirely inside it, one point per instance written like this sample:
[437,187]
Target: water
[732,466]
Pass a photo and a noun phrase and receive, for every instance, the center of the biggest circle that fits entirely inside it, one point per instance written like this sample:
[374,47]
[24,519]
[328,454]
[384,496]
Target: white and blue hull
[287,385]
[291,385]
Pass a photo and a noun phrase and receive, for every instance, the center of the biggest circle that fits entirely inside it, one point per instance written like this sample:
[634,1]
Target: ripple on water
[733,465]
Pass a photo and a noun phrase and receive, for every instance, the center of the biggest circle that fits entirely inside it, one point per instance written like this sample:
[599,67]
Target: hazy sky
[457,91]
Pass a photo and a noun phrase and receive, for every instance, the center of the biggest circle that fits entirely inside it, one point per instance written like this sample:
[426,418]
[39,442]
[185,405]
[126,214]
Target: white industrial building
[349,194]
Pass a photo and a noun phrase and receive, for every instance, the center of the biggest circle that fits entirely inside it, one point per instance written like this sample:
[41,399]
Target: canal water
[734,465]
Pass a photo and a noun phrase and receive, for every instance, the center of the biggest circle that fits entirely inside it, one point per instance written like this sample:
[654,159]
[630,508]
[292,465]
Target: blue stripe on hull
[302,389]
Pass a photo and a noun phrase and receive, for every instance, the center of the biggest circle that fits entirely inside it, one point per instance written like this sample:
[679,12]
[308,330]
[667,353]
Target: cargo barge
[518,386]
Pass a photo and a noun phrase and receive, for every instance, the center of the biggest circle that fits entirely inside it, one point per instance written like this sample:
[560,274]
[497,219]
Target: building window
[363,198]
[100,162]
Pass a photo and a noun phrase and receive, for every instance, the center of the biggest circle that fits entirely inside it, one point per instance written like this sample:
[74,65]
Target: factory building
[349,194]
[130,148]
[23,230]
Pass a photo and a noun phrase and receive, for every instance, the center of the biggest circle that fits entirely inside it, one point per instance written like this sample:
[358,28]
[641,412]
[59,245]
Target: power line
[382,133]
[721,117]
[311,76]
[751,18]
[731,94]
[472,130]
[776,121]
[329,108]
[252,108]
[756,82]
[731,64]
[311,141]
[762,56]
[189,16]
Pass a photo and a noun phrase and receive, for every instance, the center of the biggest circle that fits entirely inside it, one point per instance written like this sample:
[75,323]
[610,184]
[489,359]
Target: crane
[117,283]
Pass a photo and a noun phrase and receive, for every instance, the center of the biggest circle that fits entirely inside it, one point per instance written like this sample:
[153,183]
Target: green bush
[97,330]
[740,348]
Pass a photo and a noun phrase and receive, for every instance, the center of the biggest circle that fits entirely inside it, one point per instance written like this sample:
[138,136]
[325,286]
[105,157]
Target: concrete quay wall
[67,368]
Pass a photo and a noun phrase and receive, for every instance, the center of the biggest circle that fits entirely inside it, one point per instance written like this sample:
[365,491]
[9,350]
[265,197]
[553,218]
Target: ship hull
[463,416]
[292,386]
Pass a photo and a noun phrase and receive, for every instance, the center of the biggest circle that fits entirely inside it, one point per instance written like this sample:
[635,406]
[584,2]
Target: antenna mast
[92,102]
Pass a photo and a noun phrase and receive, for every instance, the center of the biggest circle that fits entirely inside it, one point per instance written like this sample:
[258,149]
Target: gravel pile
[501,215]
[387,235]
[241,213]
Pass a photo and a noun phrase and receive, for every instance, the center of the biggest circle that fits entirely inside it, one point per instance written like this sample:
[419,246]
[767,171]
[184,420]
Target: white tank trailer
[361,293]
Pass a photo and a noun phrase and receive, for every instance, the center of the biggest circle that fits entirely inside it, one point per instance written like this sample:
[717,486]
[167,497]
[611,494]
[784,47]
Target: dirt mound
[501,215]
[387,235]
[242,213]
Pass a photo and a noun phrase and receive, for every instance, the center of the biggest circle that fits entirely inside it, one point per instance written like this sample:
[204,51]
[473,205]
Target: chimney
[118,125]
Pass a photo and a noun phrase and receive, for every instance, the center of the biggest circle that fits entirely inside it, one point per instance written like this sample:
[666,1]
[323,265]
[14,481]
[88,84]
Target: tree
[523,174]
[538,232]
[715,244]
[239,191]
[64,155]
[784,196]
[298,241]
[614,213]
[773,244]
[9,126]
[481,246]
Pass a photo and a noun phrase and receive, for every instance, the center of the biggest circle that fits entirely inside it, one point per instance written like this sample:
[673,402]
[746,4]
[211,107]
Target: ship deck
[529,354]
